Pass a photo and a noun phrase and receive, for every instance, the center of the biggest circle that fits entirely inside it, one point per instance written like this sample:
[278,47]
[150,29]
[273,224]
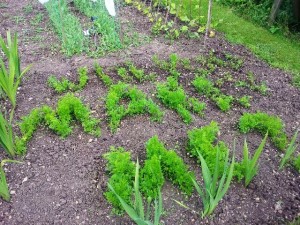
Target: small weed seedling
[296,163]
[136,212]
[66,85]
[289,152]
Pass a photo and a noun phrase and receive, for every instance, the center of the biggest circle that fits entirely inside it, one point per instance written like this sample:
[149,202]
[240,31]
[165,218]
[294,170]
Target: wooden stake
[208,20]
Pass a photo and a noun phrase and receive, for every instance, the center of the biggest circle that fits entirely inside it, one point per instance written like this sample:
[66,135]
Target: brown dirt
[61,181]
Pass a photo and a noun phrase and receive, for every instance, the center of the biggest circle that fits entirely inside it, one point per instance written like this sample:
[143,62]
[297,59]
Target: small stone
[12,192]
[25,179]
[257,199]
[90,140]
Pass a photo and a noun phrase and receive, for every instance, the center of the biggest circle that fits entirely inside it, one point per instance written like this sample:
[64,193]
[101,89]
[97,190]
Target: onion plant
[10,78]
[215,186]
[289,152]
[137,211]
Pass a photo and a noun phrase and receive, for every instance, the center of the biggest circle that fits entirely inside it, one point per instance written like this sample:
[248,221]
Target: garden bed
[63,180]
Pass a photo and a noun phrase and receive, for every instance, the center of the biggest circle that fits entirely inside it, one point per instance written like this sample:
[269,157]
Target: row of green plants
[213,157]
[10,79]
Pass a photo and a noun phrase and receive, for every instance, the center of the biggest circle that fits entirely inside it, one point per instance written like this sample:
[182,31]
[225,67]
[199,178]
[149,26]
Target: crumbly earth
[62,181]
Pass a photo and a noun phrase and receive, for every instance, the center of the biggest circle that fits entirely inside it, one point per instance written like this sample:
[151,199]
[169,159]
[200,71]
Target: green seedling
[250,166]
[4,192]
[137,211]
[105,78]
[289,152]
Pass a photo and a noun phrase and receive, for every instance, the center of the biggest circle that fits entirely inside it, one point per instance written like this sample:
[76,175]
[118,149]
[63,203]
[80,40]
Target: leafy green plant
[69,107]
[169,65]
[136,212]
[10,78]
[66,85]
[67,26]
[249,167]
[216,184]
[6,136]
[297,163]
[173,167]
[105,78]
[223,102]
[139,74]
[263,123]
[138,104]
[152,177]
[121,170]
[172,95]
[4,192]
[123,73]
[289,151]
[245,101]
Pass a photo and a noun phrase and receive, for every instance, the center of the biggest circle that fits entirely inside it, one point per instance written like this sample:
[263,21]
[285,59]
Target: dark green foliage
[152,178]
[69,108]
[138,104]
[121,170]
[66,85]
[105,78]
[297,163]
[173,167]
[202,140]
[204,86]
[172,95]
[263,123]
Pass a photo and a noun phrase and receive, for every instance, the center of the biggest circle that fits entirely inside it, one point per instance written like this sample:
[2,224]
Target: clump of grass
[263,123]
[121,170]
[138,104]
[66,85]
[172,166]
[69,107]
[67,26]
[173,96]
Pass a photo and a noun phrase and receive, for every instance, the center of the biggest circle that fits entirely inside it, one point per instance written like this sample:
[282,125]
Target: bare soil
[62,181]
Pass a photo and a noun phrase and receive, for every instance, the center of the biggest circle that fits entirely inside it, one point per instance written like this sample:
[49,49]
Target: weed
[263,123]
[121,170]
[4,192]
[136,213]
[172,165]
[297,163]
[28,9]
[289,151]
[138,104]
[66,85]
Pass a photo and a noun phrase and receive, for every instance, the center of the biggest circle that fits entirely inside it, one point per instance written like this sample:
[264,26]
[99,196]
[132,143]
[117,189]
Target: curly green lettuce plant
[66,85]
[263,123]
[136,211]
[69,108]
[138,104]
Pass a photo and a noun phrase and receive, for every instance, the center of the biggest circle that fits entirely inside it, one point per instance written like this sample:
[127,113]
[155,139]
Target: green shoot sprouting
[6,136]
[4,192]
[136,212]
[289,152]
[251,165]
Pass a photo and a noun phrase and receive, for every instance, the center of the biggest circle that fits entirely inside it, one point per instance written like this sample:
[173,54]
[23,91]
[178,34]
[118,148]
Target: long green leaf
[290,150]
